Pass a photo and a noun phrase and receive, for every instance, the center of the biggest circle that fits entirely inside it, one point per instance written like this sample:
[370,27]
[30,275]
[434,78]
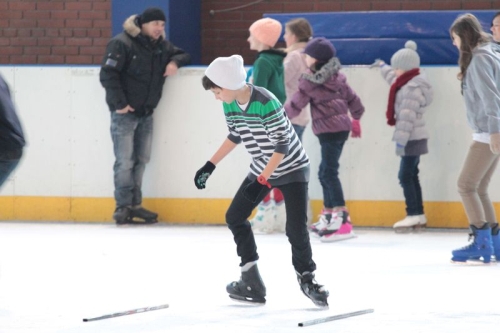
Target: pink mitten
[356,129]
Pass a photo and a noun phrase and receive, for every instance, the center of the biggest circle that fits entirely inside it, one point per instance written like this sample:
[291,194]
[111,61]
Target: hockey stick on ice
[337,317]
[129,312]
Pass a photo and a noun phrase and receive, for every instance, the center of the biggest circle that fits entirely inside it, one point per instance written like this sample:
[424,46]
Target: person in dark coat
[11,134]
[134,69]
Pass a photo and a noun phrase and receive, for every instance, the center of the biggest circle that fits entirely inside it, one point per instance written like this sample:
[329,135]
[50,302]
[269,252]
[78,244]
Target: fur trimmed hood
[331,68]
[131,26]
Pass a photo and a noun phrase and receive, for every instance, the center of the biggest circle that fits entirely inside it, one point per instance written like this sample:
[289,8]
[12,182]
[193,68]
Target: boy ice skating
[256,118]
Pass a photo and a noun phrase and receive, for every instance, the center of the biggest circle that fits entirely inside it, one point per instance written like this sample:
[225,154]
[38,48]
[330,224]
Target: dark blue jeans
[408,178]
[241,208]
[333,196]
[132,137]
[6,168]
[299,130]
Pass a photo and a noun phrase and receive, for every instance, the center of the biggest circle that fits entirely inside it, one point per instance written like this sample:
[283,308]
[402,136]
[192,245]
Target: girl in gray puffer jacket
[409,96]
[330,99]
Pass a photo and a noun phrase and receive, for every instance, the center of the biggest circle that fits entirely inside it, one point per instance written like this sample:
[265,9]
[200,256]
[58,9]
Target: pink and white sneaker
[339,228]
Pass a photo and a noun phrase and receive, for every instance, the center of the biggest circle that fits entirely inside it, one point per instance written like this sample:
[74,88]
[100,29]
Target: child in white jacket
[409,97]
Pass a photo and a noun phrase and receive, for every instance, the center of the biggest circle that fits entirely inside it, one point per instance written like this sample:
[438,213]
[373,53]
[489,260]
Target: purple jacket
[330,98]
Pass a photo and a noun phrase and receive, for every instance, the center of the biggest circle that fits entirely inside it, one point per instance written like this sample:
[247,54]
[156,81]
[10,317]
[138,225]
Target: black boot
[249,288]
[140,215]
[122,215]
[316,292]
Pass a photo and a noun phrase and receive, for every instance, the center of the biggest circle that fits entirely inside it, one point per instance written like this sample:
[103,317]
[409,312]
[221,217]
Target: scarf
[398,84]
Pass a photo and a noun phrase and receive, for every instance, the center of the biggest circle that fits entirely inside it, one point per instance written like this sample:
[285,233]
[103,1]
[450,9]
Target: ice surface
[52,275]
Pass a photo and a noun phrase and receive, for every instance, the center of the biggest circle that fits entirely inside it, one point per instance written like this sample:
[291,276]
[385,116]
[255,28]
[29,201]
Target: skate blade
[136,222]
[314,234]
[408,230]
[472,262]
[258,231]
[248,300]
[337,238]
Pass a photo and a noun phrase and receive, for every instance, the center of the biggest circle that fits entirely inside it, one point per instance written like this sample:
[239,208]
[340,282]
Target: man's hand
[126,109]
[171,69]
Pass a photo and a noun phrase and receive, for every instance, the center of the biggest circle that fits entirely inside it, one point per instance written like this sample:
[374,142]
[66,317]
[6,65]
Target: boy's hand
[255,188]
[200,179]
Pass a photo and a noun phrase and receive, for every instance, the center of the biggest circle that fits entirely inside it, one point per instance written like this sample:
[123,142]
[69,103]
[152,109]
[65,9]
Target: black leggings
[239,211]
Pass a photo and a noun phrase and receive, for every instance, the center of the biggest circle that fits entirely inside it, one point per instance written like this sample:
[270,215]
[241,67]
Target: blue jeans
[299,130]
[132,137]
[6,168]
[333,196]
[408,178]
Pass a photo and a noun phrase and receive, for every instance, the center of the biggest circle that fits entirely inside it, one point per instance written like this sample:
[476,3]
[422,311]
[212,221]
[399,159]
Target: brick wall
[77,31]
[225,33]
[54,31]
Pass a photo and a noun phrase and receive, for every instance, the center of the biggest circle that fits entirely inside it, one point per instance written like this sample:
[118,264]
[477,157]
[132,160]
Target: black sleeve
[113,64]
[178,55]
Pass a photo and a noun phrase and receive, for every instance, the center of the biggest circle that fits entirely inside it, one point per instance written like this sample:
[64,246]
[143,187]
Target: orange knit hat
[266,30]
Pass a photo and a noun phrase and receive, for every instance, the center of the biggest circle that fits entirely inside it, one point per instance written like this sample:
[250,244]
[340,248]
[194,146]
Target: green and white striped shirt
[264,128]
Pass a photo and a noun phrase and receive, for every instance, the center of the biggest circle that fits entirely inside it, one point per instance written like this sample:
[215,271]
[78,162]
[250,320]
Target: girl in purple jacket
[330,98]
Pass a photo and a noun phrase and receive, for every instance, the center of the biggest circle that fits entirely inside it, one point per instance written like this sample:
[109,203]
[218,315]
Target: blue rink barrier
[362,37]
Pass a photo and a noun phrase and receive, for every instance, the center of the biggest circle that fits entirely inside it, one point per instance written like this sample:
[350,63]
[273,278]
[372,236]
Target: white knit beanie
[227,72]
[406,58]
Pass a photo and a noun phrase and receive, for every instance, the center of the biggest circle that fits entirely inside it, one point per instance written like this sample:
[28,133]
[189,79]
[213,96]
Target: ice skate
[338,228]
[122,215]
[249,289]
[481,247]
[309,214]
[316,292]
[280,219]
[495,238]
[411,223]
[140,215]
[264,220]
[324,219]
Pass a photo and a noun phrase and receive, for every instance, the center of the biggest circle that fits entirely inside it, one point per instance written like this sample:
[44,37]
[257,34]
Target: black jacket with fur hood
[133,67]
[11,132]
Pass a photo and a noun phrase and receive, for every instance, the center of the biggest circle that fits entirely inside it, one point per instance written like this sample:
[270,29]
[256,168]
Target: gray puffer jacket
[481,89]
[411,103]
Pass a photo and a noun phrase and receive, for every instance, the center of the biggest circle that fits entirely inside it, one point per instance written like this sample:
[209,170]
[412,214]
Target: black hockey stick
[337,317]
[129,312]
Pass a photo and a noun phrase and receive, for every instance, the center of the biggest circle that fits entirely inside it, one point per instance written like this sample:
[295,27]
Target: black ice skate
[121,215]
[140,215]
[249,289]
[316,292]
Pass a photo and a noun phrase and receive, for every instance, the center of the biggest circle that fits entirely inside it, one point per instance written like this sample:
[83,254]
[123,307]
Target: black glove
[200,179]
[253,190]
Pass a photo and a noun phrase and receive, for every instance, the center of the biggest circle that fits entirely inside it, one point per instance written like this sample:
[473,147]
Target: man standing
[133,72]
[11,134]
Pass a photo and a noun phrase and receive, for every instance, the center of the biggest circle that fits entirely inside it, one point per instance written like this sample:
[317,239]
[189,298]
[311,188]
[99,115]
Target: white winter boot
[264,221]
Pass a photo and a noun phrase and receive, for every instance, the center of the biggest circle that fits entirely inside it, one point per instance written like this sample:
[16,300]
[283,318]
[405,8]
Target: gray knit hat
[406,58]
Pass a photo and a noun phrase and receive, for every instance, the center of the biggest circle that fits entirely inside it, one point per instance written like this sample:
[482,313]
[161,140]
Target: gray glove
[400,150]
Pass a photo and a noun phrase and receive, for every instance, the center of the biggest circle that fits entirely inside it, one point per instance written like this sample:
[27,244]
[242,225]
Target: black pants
[239,211]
